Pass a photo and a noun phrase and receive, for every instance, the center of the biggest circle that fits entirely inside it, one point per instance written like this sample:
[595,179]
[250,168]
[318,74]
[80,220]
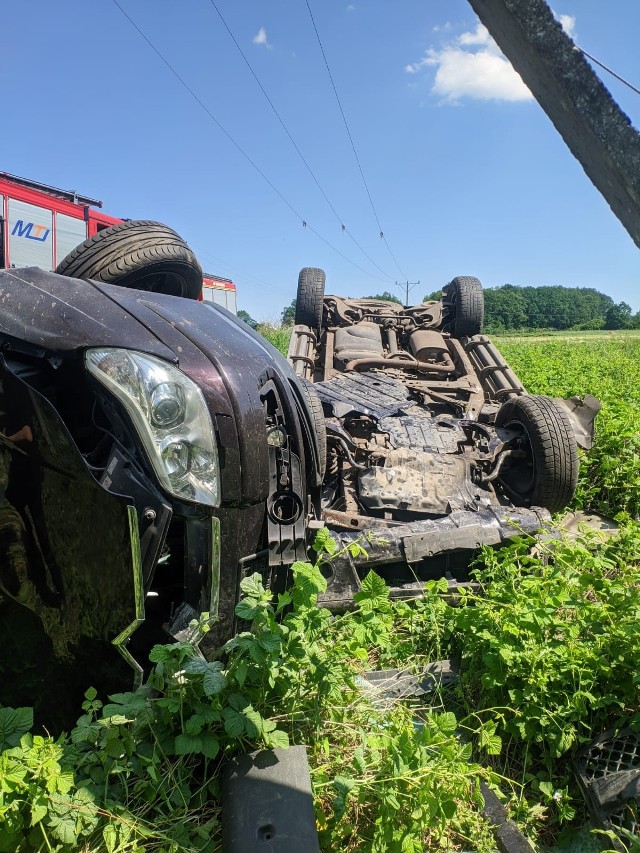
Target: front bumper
[421,550]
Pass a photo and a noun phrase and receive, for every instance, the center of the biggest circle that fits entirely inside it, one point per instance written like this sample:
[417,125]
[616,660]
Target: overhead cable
[607,69]
[293,142]
[237,145]
[346,124]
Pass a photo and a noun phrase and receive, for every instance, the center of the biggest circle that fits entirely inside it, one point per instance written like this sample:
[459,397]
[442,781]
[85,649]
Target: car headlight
[171,417]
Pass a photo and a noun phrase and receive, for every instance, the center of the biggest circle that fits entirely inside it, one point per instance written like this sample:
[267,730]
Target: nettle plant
[550,649]
[141,772]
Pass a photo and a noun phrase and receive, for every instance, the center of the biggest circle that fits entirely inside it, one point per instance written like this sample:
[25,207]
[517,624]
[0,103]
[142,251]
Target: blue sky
[466,173]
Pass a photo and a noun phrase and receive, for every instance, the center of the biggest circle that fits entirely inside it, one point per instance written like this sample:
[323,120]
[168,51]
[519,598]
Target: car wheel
[464,301]
[310,296]
[547,474]
[139,254]
[314,404]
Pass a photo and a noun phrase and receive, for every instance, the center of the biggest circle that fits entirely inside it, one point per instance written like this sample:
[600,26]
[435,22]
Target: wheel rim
[169,283]
[520,479]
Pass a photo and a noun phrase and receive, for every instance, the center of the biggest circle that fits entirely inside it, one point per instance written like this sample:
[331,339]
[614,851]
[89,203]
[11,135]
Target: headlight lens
[170,416]
[167,405]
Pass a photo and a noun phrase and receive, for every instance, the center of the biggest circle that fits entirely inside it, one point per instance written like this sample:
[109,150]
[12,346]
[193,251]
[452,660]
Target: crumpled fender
[69,554]
[582,413]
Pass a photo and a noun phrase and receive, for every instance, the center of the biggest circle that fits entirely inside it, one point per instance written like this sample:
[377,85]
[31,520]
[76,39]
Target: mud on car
[155,450]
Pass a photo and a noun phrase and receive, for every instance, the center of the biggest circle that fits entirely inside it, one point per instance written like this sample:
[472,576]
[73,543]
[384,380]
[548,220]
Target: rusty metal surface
[418,481]
[414,441]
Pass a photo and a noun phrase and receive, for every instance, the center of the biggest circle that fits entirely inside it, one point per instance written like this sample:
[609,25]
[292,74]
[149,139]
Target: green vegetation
[141,772]
[247,318]
[609,368]
[278,336]
[510,307]
[288,316]
[385,296]
[548,652]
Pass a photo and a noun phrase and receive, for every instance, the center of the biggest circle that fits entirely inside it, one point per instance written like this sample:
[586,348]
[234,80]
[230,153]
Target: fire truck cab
[40,225]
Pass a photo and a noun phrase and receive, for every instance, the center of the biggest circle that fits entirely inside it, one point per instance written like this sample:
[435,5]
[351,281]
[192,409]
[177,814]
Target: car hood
[59,314]
[63,314]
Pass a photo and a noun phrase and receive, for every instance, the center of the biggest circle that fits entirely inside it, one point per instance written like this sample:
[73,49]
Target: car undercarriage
[433,445]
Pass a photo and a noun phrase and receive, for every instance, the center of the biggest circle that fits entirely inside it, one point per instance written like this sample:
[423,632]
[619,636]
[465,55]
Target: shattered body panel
[155,450]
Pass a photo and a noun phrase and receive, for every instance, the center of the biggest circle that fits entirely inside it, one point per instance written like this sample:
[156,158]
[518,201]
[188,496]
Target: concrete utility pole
[592,125]
[408,287]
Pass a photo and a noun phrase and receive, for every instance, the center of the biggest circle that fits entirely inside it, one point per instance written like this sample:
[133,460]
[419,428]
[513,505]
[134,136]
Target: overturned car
[433,446]
[154,450]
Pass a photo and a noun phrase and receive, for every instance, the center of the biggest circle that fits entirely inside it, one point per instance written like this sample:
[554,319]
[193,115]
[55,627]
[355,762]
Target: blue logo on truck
[30,230]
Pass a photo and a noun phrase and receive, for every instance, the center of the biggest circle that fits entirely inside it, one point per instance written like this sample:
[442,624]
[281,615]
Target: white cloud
[568,23]
[479,36]
[261,37]
[350,8]
[472,66]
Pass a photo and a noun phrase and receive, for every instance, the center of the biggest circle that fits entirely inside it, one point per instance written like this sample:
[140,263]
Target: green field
[549,656]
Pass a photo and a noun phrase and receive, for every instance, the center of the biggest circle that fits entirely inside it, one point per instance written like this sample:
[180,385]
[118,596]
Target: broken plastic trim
[267,803]
[608,773]
[582,414]
[214,569]
[120,642]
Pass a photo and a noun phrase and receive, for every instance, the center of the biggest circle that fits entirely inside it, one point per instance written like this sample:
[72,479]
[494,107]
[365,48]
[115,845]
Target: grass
[587,334]
[279,336]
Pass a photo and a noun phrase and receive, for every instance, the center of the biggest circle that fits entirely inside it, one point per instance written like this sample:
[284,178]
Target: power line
[607,69]
[346,124]
[293,142]
[237,145]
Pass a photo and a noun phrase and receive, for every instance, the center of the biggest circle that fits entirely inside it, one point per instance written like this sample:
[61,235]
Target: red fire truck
[40,225]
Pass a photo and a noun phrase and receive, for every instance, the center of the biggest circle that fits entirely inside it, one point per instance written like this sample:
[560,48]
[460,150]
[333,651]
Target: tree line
[514,308]
[554,307]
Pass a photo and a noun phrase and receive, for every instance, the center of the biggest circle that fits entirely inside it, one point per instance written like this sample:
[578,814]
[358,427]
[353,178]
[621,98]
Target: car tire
[464,301]
[310,296]
[314,404]
[550,475]
[139,254]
